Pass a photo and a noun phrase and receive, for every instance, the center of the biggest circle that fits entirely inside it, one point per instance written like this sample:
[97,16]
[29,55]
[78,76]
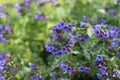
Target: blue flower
[2,55]
[106,34]
[36,77]
[71,43]
[97,27]
[85,18]
[59,53]
[87,69]
[101,21]
[82,24]
[33,66]
[112,44]
[102,69]
[82,69]
[36,16]
[58,26]
[27,1]
[68,50]
[118,3]
[70,26]
[3,62]
[1,7]
[63,66]
[99,76]
[69,37]
[38,3]
[65,28]
[1,27]
[2,14]
[118,74]
[99,58]
[63,50]
[2,77]
[86,37]
[69,70]
[112,12]
[1,69]
[19,7]
[54,38]
[118,54]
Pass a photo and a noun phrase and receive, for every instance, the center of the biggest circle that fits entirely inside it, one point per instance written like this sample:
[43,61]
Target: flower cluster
[67,69]
[84,69]
[103,31]
[40,17]
[4,59]
[66,33]
[35,76]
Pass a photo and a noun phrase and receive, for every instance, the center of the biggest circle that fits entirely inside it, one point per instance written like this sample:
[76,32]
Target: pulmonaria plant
[73,40]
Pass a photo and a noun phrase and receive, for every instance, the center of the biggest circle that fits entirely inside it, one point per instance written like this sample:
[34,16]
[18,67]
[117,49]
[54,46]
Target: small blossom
[33,66]
[99,76]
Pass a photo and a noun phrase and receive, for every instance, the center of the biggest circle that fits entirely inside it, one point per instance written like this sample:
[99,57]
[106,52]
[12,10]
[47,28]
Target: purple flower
[69,70]
[1,27]
[68,50]
[87,70]
[118,74]
[58,53]
[114,28]
[101,21]
[112,12]
[69,37]
[63,49]
[99,58]
[112,44]
[70,26]
[118,3]
[63,66]
[53,75]
[1,69]
[36,77]
[26,1]
[71,43]
[118,54]
[2,14]
[54,38]
[47,1]
[2,56]
[54,2]
[36,16]
[113,34]
[58,26]
[82,69]
[106,34]
[86,37]
[33,66]
[65,28]
[19,7]
[102,69]
[27,7]
[85,18]
[114,76]
[2,77]
[3,62]
[38,3]
[97,27]
[99,76]
[1,7]
[82,24]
